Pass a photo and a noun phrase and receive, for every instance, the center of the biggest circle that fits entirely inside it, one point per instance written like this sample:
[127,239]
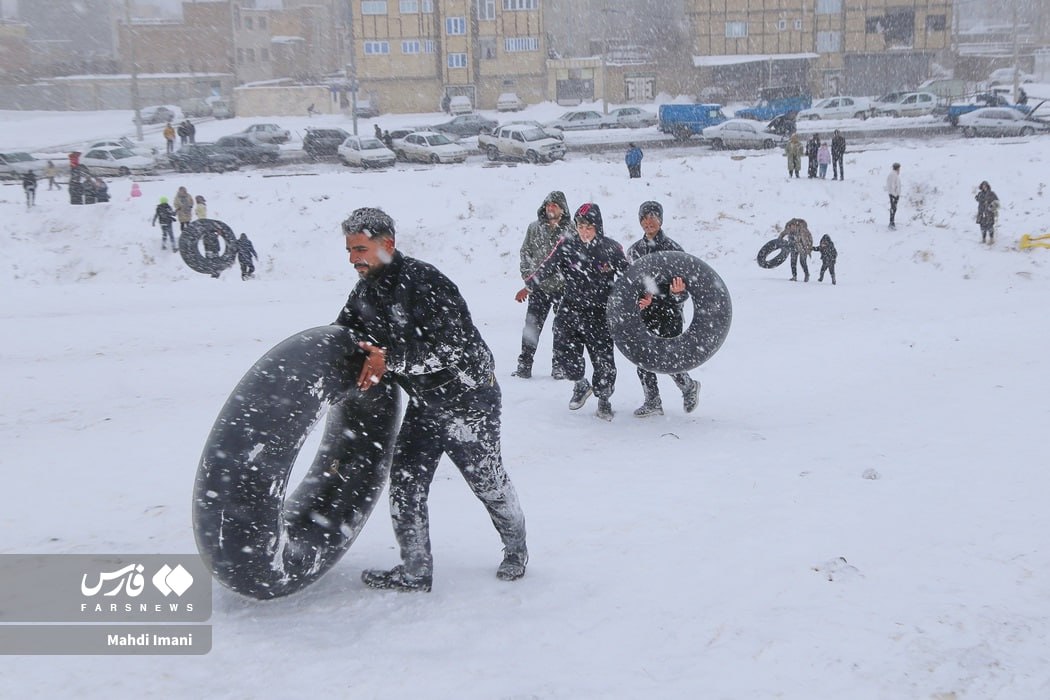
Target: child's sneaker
[580,393]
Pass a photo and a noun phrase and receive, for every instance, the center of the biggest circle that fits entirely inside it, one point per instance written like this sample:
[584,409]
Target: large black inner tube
[257,541]
[777,245]
[190,246]
[712,313]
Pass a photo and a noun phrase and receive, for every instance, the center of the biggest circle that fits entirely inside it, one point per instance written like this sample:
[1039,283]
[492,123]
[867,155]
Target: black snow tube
[190,246]
[712,313]
[255,540]
[782,248]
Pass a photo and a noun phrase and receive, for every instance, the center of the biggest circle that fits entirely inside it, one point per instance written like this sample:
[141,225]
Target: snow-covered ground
[857,508]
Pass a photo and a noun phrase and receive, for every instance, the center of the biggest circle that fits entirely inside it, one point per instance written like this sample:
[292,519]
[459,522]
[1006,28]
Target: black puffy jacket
[664,315]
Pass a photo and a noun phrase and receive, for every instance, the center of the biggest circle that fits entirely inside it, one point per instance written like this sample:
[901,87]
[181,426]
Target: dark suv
[323,142]
[247,149]
[203,157]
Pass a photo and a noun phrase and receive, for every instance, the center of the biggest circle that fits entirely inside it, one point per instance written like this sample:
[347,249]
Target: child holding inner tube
[420,331]
[800,242]
[590,263]
[661,311]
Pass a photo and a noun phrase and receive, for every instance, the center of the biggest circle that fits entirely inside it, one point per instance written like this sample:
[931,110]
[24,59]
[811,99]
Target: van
[682,121]
[195,107]
[947,89]
[460,104]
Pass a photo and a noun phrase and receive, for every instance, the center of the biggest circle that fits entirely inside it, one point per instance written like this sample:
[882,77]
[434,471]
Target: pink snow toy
[135,191]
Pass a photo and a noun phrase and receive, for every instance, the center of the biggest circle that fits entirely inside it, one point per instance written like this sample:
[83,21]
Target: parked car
[783,124]
[841,107]
[910,104]
[268,133]
[1005,76]
[157,114]
[203,158]
[430,147]
[629,117]
[773,101]
[318,143]
[509,102]
[552,131]
[582,119]
[466,125]
[521,142]
[247,149]
[221,109]
[739,133]
[365,152]
[367,108]
[1000,121]
[460,104]
[952,112]
[124,142]
[117,161]
[15,164]
[195,107]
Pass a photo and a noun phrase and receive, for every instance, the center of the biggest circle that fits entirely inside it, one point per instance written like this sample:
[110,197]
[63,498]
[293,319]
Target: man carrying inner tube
[661,311]
[421,332]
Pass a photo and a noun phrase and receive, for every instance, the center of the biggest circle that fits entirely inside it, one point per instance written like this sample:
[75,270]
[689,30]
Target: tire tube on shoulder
[191,254]
[778,245]
[256,541]
[712,313]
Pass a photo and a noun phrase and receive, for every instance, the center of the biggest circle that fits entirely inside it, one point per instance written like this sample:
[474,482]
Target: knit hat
[591,214]
[370,221]
[163,200]
[651,207]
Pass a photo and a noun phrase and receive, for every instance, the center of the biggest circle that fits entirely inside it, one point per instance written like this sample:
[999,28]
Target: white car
[123,142]
[15,164]
[116,161]
[509,102]
[739,133]
[429,147]
[910,104]
[268,133]
[1005,76]
[840,107]
[365,152]
[1000,121]
[584,119]
[629,117]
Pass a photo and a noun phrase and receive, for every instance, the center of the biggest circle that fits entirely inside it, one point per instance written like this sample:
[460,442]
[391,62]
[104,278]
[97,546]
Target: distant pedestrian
[1022,96]
[446,103]
[311,110]
[634,161]
[987,211]
[379,132]
[201,210]
[169,137]
[387,140]
[838,151]
[828,256]
[183,208]
[166,216]
[812,148]
[29,185]
[823,159]
[245,253]
[50,172]
[101,190]
[184,135]
[893,188]
[793,149]
[191,132]
[800,243]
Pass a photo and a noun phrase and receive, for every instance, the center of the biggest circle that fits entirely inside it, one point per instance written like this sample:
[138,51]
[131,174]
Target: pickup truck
[774,101]
[520,142]
[953,111]
[685,120]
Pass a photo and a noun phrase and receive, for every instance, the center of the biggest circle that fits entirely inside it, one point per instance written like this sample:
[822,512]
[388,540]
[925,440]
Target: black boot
[396,579]
[513,565]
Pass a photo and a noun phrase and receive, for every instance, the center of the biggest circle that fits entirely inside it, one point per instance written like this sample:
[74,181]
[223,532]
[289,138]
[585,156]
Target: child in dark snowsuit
[245,253]
[166,215]
[828,255]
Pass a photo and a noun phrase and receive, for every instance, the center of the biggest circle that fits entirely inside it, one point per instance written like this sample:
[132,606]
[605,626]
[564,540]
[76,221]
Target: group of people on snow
[819,155]
[186,207]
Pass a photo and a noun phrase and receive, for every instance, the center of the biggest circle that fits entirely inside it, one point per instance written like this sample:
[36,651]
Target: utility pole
[134,70]
[1017,68]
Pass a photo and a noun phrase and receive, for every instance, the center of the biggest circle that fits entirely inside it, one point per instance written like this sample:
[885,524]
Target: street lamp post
[134,71]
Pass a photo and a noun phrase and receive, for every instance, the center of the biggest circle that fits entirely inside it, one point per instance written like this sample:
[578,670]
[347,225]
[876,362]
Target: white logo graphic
[129,578]
[169,580]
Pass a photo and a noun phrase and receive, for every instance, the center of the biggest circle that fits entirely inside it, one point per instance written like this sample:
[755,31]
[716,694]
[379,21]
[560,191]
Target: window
[373,7]
[428,46]
[782,24]
[410,46]
[373,48]
[408,7]
[487,46]
[486,9]
[829,7]
[428,7]
[457,60]
[515,44]
[515,5]
[248,23]
[873,25]
[936,23]
[736,30]
[798,25]
[455,25]
[829,42]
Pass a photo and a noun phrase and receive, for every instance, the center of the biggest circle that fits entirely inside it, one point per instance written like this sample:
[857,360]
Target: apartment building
[411,53]
[832,46]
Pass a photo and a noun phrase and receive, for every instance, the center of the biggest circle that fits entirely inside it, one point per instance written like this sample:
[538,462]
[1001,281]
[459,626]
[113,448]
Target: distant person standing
[823,159]
[812,149]
[166,216]
[987,211]
[794,155]
[634,161]
[838,152]
[184,135]
[183,208]
[29,185]
[245,253]
[446,103]
[1022,96]
[378,131]
[191,132]
[50,172]
[201,210]
[169,137]
[893,188]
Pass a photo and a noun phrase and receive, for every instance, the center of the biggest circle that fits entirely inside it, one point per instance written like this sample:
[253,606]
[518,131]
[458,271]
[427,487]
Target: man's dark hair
[373,222]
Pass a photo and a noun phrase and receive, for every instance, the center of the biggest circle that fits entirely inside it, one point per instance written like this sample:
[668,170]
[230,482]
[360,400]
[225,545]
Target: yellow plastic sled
[1035,241]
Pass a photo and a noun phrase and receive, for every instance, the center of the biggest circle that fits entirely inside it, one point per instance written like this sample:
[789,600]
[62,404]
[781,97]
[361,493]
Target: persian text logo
[129,579]
[169,580]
